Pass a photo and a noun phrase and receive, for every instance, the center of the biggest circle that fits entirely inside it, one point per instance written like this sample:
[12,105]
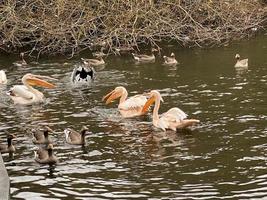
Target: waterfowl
[25,94]
[94,62]
[123,50]
[170,60]
[241,63]
[144,57]
[22,62]
[9,148]
[173,119]
[99,54]
[3,79]
[44,156]
[41,136]
[83,74]
[131,107]
[74,137]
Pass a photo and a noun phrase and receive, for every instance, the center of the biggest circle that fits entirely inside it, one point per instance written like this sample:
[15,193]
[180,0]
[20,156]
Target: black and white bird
[83,74]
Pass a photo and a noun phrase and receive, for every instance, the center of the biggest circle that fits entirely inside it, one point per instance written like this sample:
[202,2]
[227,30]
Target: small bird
[145,58]
[94,62]
[171,61]
[74,137]
[9,148]
[41,136]
[100,53]
[241,63]
[3,79]
[44,156]
[22,62]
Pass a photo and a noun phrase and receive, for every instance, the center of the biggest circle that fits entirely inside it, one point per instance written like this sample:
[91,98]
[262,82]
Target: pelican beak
[40,82]
[111,96]
[148,103]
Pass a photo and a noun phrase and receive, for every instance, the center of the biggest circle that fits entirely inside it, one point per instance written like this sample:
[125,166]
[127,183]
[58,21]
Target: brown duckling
[41,136]
[9,148]
[144,57]
[74,137]
[94,62]
[22,62]
[100,53]
[241,63]
[44,156]
[170,60]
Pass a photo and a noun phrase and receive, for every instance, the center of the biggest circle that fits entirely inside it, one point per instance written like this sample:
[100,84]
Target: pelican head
[153,96]
[114,94]
[33,80]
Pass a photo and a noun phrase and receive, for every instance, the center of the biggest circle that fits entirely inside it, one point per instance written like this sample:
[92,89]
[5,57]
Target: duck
[74,137]
[3,79]
[100,53]
[41,136]
[170,60]
[9,148]
[123,50]
[83,74]
[241,63]
[22,62]
[144,57]
[45,156]
[94,62]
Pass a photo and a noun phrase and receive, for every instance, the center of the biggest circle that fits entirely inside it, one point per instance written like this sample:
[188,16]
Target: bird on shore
[241,63]
[3,79]
[9,147]
[131,107]
[170,61]
[22,62]
[42,136]
[99,61]
[173,119]
[83,74]
[25,94]
[74,137]
[145,58]
[45,156]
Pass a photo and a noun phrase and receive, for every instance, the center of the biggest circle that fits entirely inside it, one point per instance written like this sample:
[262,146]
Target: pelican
[130,107]
[241,63]
[173,119]
[83,74]
[25,94]
[170,60]
[3,79]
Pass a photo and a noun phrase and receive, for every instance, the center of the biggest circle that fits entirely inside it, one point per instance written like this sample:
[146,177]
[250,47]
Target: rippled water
[223,157]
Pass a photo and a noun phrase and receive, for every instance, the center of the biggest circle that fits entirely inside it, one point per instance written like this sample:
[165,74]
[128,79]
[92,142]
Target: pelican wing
[137,101]
[174,114]
[21,91]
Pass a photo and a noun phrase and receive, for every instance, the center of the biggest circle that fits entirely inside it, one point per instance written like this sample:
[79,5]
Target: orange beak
[39,82]
[148,103]
[111,96]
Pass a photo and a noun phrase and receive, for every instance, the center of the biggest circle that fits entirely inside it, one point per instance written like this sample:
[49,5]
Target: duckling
[73,137]
[9,148]
[170,60]
[41,136]
[123,50]
[3,79]
[43,156]
[94,62]
[100,54]
[22,62]
[241,63]
[144,57]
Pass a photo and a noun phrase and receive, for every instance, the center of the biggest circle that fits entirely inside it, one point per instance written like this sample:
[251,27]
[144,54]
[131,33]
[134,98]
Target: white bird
[3,79]
[241,63]
[131,107]
[171,61]
[25,94]
[173,119]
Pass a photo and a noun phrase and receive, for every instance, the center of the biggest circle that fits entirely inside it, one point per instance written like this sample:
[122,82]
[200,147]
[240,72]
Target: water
[223,157]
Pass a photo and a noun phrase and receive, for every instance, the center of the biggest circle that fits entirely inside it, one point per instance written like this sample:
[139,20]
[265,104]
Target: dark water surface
[224,157]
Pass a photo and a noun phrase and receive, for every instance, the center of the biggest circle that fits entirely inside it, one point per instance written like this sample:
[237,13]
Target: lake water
[223,157]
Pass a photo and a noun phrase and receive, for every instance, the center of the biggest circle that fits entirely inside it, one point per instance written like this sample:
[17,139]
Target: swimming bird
[22,62]
[3,79]
[173,119]
[45,156]
[94,62]
[25,94]
[100,53]
[241,63]
[74,137]
[171,61]
[41,136]
[131,107]
[83,74]
[123,50]
[144,57]
[9,148]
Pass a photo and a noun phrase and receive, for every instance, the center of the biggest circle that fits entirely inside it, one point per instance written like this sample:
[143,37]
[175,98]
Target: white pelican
[3,79]
[170,60]
[130,107]
[26,94]
[83,74]
[173,119]
[241,63]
